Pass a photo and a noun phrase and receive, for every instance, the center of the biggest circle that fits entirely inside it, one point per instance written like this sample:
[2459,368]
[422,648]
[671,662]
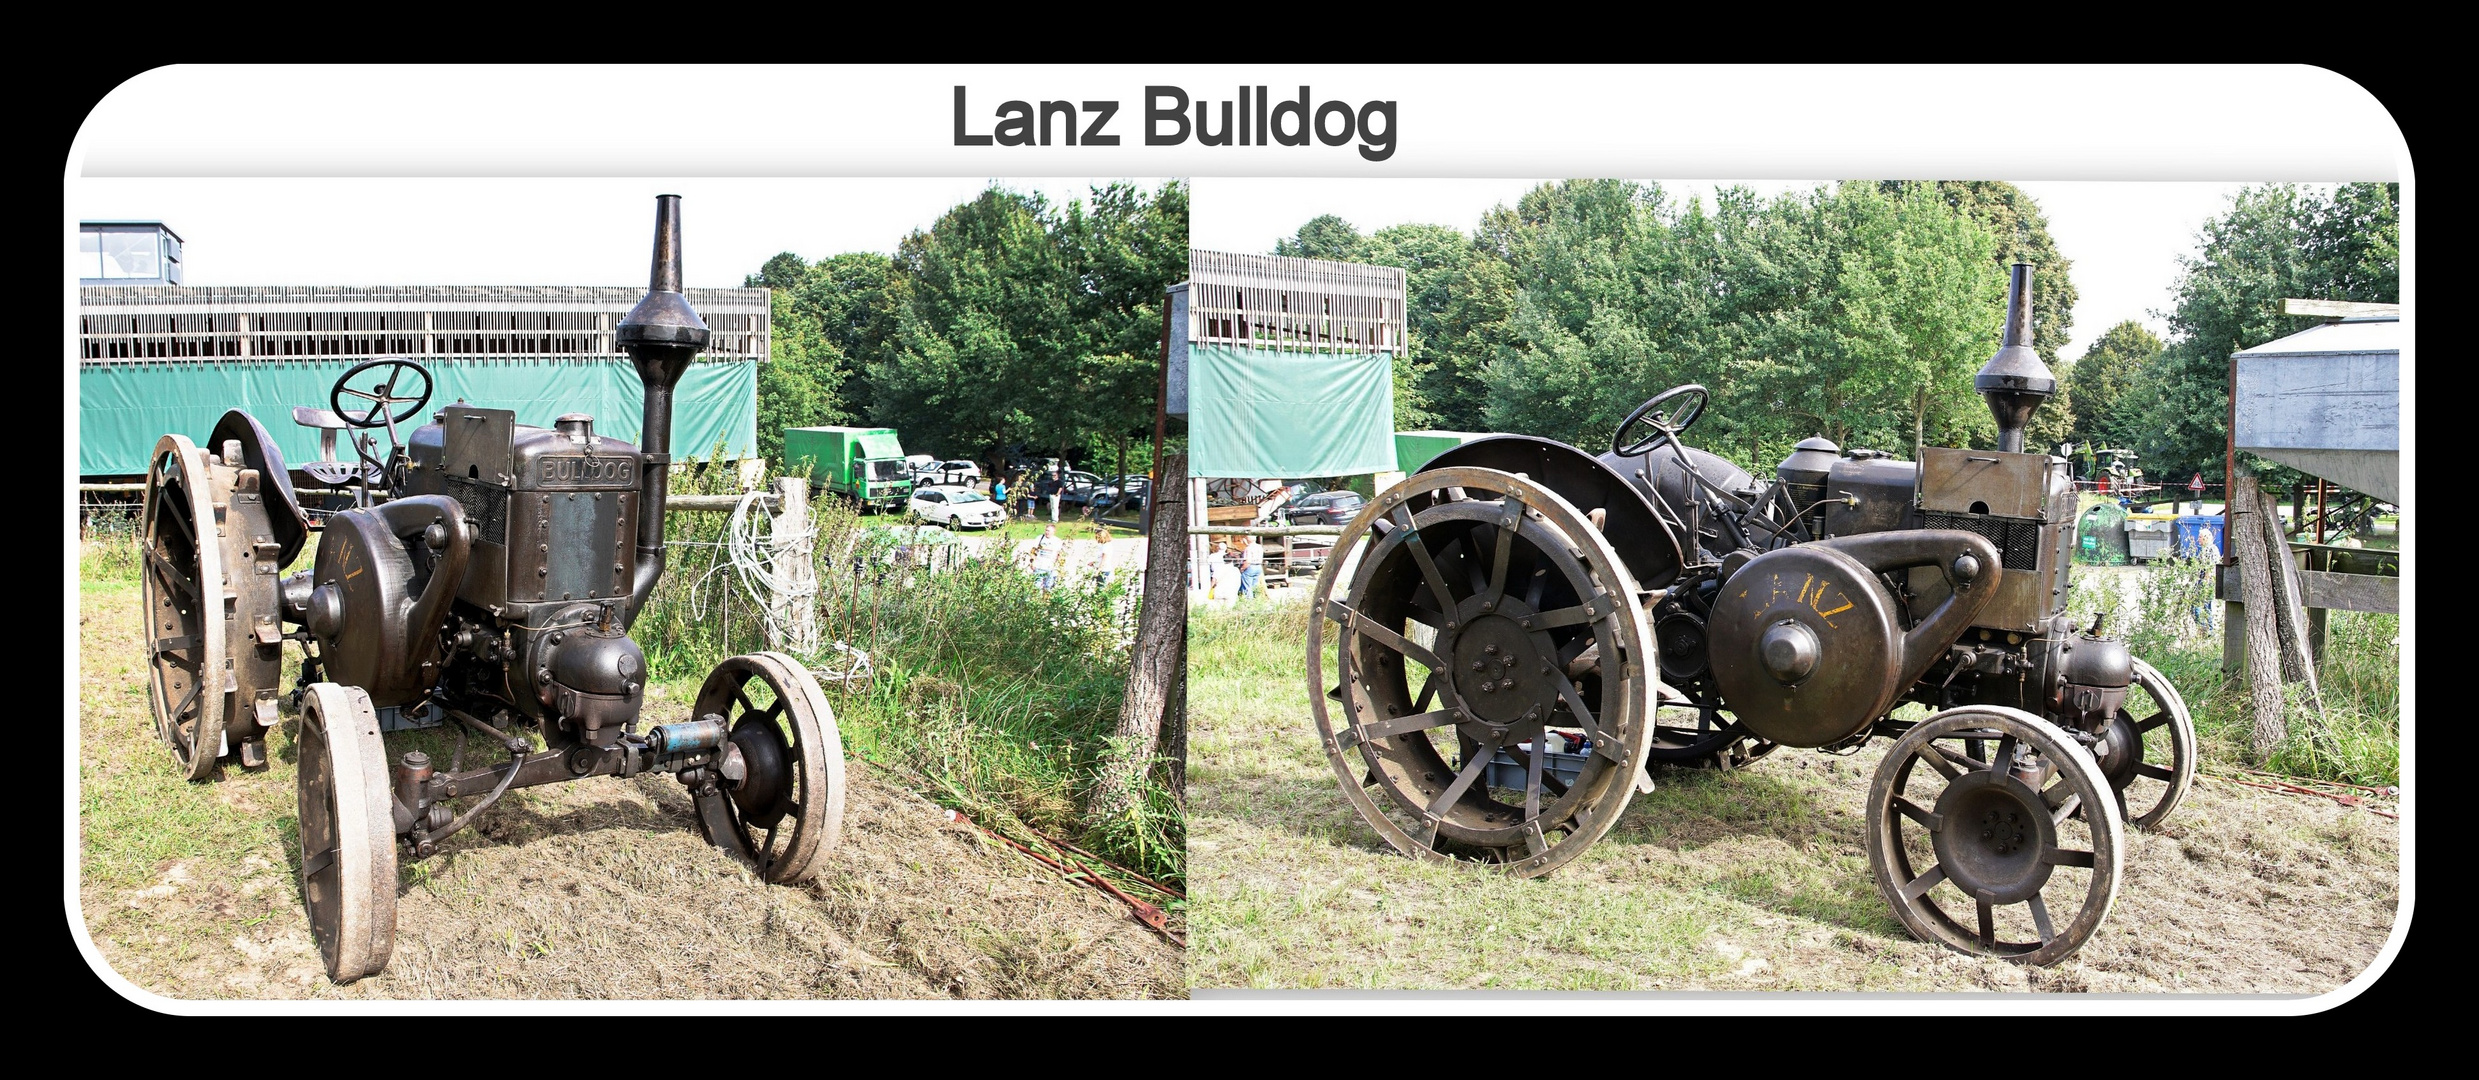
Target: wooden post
[2289,610]
[793,607]
[2263,651]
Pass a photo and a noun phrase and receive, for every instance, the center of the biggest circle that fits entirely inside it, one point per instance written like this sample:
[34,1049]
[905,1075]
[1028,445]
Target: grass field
[1752,879]
[603,888]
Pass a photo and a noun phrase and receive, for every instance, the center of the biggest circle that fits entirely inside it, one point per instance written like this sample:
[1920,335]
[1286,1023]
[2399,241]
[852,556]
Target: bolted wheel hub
[1497,669]
[767,782]
[2120,751]
[1995,830]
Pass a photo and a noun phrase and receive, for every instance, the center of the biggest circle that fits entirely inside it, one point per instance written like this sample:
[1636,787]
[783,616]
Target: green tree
[1325,237]
[2274,242]
[2100,380]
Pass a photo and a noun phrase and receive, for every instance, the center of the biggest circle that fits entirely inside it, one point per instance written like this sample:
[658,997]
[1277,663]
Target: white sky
[522,231]
[2124,238]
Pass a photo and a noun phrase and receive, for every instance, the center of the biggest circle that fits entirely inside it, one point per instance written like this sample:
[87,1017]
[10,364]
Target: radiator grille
[2017,539]
[486,505]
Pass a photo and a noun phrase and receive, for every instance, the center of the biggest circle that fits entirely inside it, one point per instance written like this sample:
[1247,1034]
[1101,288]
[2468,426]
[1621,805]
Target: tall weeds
[2166,613]
[1002,695]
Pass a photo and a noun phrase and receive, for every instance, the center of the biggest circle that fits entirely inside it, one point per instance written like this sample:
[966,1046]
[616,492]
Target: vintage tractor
[487,576]
[1522,628]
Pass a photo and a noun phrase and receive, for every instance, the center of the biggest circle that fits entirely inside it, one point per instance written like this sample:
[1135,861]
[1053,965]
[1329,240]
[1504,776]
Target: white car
[956,508]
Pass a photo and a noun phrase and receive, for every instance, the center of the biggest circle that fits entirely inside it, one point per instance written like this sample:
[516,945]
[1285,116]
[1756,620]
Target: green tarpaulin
[1288,413]
[124,408]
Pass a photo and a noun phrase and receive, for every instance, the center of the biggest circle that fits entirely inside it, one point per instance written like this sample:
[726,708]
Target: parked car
[1324,508]
[1137,488]
[1075,489]
[956,508]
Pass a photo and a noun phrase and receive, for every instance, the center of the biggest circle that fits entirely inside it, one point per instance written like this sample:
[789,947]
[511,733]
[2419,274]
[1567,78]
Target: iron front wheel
[1490,652]
[2025,841]
[787,804]
[2151,759]
[348,838]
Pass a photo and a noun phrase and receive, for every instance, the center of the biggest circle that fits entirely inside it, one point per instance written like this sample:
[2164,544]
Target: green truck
[1413,449]
[865,465]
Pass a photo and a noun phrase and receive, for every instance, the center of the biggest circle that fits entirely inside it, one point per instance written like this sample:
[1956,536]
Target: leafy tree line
[1009,326]
[1857,311]
[2274,242]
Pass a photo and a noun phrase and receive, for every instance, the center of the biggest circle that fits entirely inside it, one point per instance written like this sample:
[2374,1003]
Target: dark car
[1324,508]
[1123,492]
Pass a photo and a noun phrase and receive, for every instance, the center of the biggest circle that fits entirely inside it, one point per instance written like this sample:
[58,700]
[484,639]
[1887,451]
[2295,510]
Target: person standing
[998,493]
[1102,558]
[1046,559]
[1252,567]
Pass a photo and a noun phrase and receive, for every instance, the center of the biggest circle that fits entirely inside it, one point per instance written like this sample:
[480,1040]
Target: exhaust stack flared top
[662,335]
[2015,381]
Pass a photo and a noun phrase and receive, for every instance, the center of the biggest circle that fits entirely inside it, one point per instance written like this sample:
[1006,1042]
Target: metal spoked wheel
[348,838]
[2152,752]
[1485,618]
[214,653]
[2026,840]
[1693,735]
[787,805]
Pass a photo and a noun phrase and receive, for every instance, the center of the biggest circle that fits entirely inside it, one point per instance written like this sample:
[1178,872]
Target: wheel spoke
[1419,547]
[2064,808]
[1912,810]
[1475,763]
[1369,628]
[1532,777]
[172,574]
[362,394]
[1967,763]
[1988,926]
[2158,719]
[2040,919]
[2005,752]
[1920,885]
[1566,616]
[1401,725]
[1500,547]
[1601,740]
[2067,857]
[1534,588]
[1428,692]
[2161,773]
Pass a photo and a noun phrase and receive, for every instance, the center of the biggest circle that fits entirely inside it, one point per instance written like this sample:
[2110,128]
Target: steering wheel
[378,413]
[1665,424]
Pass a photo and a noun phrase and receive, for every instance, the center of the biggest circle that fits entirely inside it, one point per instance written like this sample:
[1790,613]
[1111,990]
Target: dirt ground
[599,889]
[1752,880]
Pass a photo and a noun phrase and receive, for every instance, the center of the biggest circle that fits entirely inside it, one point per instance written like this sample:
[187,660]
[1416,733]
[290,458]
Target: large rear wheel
[1490,649]
[208,588]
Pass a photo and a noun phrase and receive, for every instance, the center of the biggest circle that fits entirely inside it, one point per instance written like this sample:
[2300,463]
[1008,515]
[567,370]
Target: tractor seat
[327,470]
[340,473]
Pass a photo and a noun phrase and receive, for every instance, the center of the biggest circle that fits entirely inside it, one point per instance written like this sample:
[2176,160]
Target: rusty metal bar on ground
[1151,916]
[2293,789]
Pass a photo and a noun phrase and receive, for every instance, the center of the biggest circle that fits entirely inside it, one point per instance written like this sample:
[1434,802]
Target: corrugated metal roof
[2362,334]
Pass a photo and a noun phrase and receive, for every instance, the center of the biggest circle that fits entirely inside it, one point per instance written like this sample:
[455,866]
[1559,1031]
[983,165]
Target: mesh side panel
[485,504]
[2017,539]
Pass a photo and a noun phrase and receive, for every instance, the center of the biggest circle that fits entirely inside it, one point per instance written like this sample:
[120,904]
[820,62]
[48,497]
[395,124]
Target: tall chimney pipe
[2015,382]
[662,335]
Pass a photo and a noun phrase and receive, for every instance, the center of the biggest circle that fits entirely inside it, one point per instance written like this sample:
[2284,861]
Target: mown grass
[1000,696]
[1752,879]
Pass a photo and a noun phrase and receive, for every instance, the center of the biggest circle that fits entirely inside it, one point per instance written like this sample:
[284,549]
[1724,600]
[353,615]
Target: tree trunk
[1156,679]
[2263,631]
